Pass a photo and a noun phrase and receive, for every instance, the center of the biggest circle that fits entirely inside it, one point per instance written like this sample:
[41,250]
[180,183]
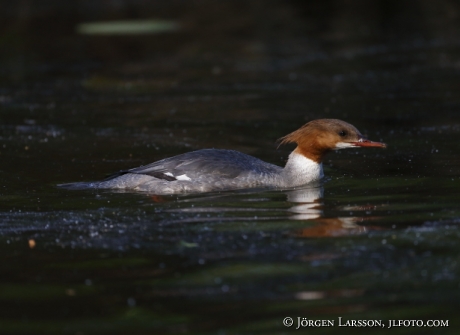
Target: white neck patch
[300,170]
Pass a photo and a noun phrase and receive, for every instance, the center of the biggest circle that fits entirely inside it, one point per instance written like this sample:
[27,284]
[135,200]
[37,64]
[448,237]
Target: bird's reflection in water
[308,206]
[308,203]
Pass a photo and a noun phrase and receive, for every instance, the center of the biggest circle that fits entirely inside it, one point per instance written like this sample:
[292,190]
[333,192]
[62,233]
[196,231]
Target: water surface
[376,240]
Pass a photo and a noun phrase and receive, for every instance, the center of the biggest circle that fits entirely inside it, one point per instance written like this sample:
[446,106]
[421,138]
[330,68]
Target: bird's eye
[343,133]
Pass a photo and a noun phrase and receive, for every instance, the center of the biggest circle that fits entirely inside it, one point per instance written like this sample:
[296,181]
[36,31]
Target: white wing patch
[183,177]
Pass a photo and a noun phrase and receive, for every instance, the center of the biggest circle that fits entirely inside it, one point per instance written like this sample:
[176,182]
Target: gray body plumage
[217,170]
[193,172]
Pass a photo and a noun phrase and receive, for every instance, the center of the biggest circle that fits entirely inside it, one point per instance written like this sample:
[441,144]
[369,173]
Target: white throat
[344,145]
[300,170]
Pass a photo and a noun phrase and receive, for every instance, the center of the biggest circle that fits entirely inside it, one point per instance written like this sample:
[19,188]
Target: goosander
[218,170]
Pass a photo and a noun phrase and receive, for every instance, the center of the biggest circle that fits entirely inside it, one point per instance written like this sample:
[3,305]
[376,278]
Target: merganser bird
[218,170]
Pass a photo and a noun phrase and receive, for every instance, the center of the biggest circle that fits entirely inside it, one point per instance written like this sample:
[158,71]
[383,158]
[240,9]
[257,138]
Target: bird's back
[197,171]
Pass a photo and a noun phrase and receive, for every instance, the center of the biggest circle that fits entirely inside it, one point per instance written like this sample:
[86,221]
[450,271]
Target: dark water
[376,240]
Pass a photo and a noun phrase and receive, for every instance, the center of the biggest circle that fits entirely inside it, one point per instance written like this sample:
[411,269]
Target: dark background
[378,241]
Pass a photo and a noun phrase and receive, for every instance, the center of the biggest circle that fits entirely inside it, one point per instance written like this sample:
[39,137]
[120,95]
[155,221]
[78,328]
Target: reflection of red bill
[157,198]
[331,227]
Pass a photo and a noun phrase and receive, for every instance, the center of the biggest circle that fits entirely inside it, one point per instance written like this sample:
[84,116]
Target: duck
[211,170]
